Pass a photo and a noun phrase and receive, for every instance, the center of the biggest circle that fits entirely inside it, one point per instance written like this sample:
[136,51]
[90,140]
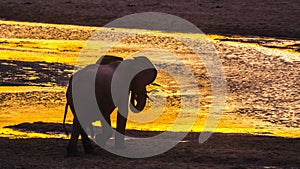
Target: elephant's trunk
[140,99]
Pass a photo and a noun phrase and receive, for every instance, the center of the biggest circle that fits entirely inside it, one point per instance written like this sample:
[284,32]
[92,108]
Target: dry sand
[253,17]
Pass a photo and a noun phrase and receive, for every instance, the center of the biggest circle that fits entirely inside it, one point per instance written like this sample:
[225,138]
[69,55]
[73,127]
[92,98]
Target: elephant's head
[139,82]
[133,74]
[138,89]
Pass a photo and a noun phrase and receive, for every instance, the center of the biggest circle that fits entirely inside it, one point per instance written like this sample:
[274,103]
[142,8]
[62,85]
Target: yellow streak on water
[47,25]
[230,123]
[61,51]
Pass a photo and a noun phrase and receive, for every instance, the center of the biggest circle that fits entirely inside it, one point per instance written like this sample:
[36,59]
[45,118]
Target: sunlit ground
[67,51]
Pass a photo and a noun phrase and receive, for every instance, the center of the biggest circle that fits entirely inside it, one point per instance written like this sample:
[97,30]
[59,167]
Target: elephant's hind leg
[107,131]
[72,144]
[88,147]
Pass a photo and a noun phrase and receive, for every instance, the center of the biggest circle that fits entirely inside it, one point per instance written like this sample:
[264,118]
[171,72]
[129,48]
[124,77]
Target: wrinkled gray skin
[106,105]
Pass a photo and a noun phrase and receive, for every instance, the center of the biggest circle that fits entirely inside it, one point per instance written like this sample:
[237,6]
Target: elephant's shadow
[102,152]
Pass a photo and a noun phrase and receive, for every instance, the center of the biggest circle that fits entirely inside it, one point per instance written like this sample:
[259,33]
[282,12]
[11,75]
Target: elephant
[110,96]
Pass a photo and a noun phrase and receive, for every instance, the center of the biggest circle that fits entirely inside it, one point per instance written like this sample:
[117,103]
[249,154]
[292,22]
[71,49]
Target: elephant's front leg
[72,144]
[120,134]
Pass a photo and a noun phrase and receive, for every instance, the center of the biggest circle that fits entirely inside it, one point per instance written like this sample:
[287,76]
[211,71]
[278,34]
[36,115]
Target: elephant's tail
[65,115]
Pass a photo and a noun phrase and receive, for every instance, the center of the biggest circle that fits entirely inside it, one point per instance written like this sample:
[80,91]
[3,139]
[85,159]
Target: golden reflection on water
[230,122]
[14,134]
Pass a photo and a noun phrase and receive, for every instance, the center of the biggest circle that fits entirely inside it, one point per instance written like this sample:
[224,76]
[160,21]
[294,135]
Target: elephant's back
[103,85]
[105,74]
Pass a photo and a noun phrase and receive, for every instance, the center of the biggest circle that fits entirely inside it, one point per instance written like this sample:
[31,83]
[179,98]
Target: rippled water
[261,73]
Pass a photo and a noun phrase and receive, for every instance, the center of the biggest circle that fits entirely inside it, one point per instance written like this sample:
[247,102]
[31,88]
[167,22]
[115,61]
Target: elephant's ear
[148,75]
[107,59]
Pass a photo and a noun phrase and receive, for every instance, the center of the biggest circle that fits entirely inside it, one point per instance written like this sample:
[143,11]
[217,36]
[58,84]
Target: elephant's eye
[135,96]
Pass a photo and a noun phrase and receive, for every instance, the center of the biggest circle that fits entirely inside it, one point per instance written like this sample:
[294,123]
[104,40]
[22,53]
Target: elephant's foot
[101,140]
[120,141]
[120,146]
[72,152]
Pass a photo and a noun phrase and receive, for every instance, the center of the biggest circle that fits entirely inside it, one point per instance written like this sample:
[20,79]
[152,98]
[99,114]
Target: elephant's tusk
[155,84]
[153,91]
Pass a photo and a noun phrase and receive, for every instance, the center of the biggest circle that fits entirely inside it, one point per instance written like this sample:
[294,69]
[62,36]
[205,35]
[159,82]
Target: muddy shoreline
[226,150]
